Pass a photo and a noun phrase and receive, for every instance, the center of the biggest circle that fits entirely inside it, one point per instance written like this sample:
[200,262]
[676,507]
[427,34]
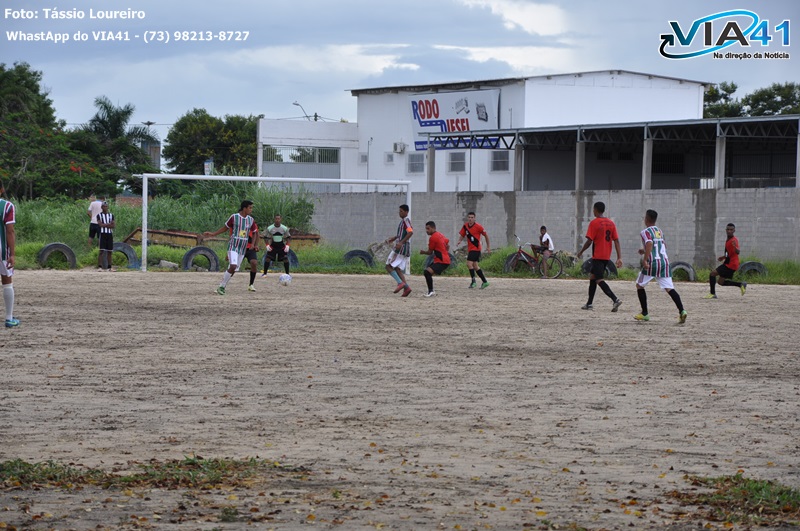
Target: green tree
[719,102]
[197,136]
[778,98]
[115,145]
[37,157]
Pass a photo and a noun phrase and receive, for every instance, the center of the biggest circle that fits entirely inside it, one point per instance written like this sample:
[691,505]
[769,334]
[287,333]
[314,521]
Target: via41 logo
[756,31]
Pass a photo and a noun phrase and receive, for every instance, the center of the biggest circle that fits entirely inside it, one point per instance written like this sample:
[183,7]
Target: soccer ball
[285,279]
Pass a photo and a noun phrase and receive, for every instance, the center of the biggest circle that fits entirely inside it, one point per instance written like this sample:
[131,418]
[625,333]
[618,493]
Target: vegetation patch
[190,472]
[739,500]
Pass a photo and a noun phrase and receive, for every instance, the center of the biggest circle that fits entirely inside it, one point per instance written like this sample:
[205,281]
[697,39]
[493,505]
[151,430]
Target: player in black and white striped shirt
[105,220]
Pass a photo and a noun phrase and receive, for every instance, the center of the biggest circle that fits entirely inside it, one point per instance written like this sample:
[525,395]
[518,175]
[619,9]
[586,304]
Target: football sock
[252,276]
[8,299]
[266,266]
[607,290]
[395,276]
[428,280]
[286,267]
[732,283]
[643,300]
[225,278]
[676,299]
[480,274]
[472,274]
[592,290]
[712,283]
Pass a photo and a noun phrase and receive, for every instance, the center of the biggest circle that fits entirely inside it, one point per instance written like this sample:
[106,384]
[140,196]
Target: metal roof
[462,85]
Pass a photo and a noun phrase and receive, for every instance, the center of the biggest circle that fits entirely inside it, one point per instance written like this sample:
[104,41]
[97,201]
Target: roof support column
[519,162]
[647,164]
[431,185]
[797,162]
[580,166]
[719,163]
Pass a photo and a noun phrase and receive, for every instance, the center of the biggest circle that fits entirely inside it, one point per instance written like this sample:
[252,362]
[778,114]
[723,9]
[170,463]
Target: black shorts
[277,253]
[106,242]
[474,256]
[725,271]
[437,268]
[94,230]
[599,268]
[250,254]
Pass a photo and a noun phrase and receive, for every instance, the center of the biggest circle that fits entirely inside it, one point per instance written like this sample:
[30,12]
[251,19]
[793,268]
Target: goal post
[299,180]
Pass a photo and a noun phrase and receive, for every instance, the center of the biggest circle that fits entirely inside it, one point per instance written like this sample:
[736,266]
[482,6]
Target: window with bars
[457,162]
[499,161]
[416,163]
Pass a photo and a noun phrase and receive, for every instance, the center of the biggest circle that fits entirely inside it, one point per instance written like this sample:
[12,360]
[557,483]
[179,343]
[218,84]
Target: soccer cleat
[617,304]
[710,296]
[484,285]
[743,287]
[472,285]
[682,318]
[429,294]
[406,291]
[251,288]
[220,291]
[12,323]
[264,275]
[100,269]
[399,288]
[641,317]
[587,307]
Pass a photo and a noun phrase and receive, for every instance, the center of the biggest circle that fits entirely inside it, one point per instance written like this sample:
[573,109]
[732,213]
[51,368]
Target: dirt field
[504,408]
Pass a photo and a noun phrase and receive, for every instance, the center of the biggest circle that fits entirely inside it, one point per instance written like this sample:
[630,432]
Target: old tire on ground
[429,261]
[194,252]
[62,248]
[610,272]
[293,261]
[752,268]
[364,256]
[130,254]
[683,266]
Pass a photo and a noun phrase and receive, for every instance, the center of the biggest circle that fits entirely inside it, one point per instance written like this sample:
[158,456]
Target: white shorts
[663,282]
[235,258]
[5,270]
[398,261]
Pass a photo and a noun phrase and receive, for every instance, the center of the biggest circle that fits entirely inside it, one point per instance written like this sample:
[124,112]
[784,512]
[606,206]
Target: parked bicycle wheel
[553,269]
[515,264]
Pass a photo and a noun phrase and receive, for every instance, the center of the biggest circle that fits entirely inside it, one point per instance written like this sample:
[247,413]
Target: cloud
[359,59]
[526,60]
[536,19]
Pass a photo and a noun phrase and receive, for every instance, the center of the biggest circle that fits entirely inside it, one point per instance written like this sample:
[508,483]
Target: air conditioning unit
[398,147]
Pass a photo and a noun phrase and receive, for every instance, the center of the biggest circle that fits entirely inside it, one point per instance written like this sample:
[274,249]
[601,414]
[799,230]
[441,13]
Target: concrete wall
[767,220]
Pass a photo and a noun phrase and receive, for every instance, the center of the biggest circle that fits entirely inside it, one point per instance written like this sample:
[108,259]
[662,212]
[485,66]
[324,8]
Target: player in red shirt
[439,247]
[730,264]
[473,232]
[602,232]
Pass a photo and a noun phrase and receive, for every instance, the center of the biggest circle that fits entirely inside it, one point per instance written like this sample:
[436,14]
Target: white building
[393,137]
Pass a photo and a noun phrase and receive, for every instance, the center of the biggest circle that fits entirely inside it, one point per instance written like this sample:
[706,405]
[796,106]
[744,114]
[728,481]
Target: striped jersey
[240,232]
[402,230]
[659,262]
[108,217]
[7,216]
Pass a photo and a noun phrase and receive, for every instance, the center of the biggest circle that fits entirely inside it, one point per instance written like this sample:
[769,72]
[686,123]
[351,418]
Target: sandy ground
[504,408]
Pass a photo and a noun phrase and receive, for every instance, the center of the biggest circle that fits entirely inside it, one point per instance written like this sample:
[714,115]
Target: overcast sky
[314,51]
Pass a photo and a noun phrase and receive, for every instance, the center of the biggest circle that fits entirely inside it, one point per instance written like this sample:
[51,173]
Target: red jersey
[473,235]
[438,244]
[253,230]
[732,254]
[603,233]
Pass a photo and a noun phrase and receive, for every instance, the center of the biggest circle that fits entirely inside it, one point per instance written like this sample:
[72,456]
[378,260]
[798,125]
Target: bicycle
[547,267]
